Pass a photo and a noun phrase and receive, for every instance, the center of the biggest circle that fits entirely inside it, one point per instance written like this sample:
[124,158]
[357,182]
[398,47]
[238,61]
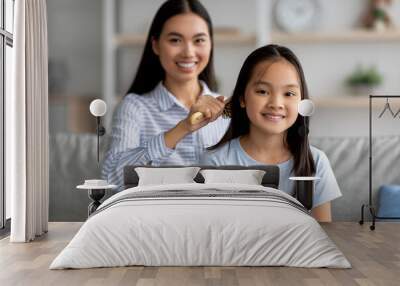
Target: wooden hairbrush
[198,116]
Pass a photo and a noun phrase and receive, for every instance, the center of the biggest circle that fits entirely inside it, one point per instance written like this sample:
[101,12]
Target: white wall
[327,65]
[75,39]
[355,122]
[75,46]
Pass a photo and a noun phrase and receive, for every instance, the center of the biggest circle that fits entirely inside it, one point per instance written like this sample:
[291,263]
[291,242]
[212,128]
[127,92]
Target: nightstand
[95,193]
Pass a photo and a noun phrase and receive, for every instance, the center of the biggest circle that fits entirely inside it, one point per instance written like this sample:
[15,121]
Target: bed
[201,224]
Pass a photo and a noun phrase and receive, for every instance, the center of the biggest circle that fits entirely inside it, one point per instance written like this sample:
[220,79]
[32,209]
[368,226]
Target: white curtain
[27,142]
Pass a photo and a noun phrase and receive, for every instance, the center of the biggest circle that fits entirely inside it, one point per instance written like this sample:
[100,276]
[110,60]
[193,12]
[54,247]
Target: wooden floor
[374,255]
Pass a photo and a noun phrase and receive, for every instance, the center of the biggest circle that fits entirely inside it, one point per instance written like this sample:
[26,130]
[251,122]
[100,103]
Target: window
[6,44]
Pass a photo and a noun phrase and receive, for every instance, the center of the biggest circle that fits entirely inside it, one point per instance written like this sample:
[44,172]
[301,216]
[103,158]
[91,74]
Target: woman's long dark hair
[150,72]
[240,124]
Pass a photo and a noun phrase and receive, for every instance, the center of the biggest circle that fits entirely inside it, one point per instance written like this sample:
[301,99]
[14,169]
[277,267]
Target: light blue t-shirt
[326,188]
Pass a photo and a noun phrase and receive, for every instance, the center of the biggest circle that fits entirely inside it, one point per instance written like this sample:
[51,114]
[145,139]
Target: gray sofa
[73,159]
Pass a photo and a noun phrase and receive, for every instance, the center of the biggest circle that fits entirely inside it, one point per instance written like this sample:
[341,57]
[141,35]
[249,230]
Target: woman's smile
[187,66]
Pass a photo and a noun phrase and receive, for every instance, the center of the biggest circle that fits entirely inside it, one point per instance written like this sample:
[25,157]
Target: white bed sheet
[200,231]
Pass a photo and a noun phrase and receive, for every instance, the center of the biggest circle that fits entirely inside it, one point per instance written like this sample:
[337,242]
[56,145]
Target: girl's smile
[274,117]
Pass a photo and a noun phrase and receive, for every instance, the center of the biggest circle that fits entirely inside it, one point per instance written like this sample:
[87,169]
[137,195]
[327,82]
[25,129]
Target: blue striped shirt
[139,124]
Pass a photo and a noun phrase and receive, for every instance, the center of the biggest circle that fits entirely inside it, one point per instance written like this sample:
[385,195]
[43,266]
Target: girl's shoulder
[319,156]
[227,147]
[221,155]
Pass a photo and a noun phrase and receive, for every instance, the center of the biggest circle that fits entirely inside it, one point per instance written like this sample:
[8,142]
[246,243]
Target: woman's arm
[126,147]
[322,213]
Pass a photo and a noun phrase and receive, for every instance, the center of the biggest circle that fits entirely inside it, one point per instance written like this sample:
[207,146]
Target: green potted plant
[364,80]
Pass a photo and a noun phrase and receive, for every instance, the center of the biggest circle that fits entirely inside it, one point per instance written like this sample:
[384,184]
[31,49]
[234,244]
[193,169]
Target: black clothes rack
[370,204]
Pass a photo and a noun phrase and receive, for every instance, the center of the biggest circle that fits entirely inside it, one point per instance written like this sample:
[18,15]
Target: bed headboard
[270,179]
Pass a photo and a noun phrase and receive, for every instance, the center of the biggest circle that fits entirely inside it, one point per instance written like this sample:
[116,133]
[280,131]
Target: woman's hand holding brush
[205,110]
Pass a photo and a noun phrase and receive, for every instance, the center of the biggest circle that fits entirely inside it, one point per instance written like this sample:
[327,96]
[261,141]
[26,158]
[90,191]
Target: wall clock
[297,15]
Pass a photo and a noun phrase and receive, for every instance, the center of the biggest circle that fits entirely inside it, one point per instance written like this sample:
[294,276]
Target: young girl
[174,80]
[265,126]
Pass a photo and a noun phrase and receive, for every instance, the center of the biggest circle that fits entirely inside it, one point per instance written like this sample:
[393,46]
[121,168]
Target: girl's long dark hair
[298,144]
[150,72]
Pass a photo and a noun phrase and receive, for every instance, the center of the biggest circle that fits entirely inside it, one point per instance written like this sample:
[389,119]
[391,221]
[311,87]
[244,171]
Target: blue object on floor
[389,201]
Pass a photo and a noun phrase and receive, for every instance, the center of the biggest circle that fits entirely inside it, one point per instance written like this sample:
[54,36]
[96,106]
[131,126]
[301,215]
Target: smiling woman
[174,80]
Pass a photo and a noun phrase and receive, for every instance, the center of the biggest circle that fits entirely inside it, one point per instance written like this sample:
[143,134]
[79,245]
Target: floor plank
[374,255]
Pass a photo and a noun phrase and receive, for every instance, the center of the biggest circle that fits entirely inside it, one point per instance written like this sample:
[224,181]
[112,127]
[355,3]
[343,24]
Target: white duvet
[207,230]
